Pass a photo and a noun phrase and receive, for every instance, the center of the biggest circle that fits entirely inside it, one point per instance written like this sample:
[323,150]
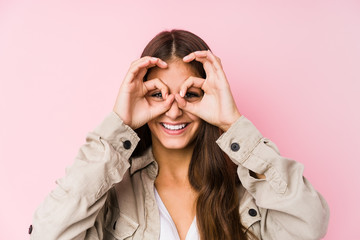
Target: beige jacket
[108,195]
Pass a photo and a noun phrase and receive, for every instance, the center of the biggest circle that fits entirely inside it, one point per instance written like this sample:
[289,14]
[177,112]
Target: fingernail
[153,58]
[182,93]
[186,58]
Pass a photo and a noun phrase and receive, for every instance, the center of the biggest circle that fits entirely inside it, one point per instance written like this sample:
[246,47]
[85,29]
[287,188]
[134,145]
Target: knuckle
[133,69]
[134,61]
[146,57]
[201,52]
[190,78]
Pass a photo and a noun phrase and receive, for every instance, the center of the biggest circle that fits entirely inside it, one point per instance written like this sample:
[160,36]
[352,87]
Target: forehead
[174,75]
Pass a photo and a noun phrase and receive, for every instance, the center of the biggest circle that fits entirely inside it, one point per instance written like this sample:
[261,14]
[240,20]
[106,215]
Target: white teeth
[174,127]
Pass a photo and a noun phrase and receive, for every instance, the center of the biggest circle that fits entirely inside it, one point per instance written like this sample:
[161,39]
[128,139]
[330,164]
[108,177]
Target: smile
[174,127]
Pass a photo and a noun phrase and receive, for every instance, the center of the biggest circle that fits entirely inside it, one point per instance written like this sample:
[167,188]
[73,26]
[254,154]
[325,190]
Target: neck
[173,163]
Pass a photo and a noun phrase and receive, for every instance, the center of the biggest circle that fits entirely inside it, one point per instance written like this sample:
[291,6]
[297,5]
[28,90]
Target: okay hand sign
[131,105]
[217,106]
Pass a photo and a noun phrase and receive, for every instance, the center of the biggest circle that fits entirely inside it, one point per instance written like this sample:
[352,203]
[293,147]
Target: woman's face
[174,129]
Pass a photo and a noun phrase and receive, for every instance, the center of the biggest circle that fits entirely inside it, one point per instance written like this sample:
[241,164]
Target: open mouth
[174,127]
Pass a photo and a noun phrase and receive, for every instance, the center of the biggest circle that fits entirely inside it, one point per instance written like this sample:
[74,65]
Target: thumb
[164,106]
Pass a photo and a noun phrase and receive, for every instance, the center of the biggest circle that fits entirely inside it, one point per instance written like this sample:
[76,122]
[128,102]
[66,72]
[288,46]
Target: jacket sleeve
[290,207]
[70,211]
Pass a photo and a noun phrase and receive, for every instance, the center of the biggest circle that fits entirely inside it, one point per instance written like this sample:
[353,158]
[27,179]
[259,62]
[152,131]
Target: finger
[163,107]
[139,67]
[156,83]
[194,55]
[191,82]
[214,60]
[180,100]
[186,106]
[203,57]
[208,56]
[149,62]
[154,61]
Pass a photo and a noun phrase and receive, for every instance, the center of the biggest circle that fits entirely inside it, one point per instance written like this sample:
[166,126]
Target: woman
[175,159]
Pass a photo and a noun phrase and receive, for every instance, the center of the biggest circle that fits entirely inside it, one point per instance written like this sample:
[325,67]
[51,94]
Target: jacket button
[30,229]
[252,212]
[127,144]
[235,147]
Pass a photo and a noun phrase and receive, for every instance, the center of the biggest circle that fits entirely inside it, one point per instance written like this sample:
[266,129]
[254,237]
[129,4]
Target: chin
[176,145]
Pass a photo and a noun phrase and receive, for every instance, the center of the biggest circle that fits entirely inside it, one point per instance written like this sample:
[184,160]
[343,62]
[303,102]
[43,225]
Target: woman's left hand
[217,106]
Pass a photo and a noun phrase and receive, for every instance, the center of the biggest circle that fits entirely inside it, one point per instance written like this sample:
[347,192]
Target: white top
[168,229]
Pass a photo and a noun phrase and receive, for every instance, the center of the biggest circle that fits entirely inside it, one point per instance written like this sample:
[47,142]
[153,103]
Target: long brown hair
[211,173]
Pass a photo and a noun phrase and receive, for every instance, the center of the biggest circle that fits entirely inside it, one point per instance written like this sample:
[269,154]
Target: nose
[174,111]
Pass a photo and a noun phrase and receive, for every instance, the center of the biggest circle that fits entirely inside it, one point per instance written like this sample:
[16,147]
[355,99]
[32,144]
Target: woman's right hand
[131,104]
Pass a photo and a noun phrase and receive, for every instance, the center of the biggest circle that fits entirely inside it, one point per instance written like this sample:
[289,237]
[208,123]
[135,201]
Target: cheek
[153,101]
[151,126]
[194,118]
[197,122]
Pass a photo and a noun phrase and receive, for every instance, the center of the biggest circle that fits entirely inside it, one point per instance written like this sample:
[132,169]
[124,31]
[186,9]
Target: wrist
[230,122]
[123,119]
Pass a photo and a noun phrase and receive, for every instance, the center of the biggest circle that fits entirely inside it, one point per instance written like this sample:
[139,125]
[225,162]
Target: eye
[191,95]
[156,95]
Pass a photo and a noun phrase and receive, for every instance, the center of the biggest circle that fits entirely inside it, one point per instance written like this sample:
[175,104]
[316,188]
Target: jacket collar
[142,161]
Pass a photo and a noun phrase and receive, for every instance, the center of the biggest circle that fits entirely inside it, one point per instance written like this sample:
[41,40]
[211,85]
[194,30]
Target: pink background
[294,68]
